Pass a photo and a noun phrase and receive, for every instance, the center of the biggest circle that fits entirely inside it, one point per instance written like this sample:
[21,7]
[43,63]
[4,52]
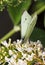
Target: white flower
[12,61]
[9,63]
[14,56]
[40,53]
[25,50]
[29,49]
[38,49]
[18,47]
[10,52]
[5,44]
[24,55]
[19,41]
[39,44]
[21,62]
[43,57]
[43,54]
[7,59]
[30,57]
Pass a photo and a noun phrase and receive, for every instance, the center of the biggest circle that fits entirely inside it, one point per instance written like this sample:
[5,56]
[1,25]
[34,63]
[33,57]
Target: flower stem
[11,32]
[40,10]
[44,19]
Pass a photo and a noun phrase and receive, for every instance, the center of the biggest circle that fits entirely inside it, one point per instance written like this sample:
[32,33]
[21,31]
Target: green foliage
[7,3]
[44,19]
[38,34]
[16,12]
[37,6]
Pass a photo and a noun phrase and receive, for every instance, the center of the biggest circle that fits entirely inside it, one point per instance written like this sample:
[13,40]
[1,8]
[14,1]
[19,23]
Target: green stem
[15,29]
[44,19]
[40,10]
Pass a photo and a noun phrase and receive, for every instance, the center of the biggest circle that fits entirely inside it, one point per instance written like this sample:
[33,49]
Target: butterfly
[28,23]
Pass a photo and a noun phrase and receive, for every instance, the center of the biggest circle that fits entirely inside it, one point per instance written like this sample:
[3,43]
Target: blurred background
[6,25]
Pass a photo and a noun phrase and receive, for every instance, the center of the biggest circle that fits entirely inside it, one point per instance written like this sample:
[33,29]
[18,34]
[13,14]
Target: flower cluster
[18,53]
[14,3]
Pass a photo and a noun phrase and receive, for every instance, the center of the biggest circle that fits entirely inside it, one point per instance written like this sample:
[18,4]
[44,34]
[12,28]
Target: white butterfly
[27,24]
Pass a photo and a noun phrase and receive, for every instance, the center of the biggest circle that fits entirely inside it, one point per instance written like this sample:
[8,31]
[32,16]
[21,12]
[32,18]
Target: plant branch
[11,32]
[44,19]
[40,10]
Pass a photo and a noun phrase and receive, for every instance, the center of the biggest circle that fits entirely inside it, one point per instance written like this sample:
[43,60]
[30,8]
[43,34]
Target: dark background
[6,24]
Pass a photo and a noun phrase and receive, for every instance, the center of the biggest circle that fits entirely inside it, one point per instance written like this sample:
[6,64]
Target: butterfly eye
[25,18]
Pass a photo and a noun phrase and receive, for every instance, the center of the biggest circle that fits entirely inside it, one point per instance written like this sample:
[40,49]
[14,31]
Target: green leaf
[16,12]
[38,34]
[38,6]
[27,25]
[44,19]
